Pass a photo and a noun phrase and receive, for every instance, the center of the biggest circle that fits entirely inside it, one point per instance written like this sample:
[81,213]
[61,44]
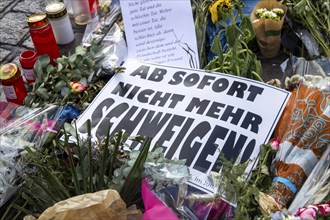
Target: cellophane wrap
[317,185]
[114,49]
[176,199]
[97,30]
[24,127]
[303,130]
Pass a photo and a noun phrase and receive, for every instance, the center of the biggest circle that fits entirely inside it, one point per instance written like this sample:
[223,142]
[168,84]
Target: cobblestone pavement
[14,31]
[14,34]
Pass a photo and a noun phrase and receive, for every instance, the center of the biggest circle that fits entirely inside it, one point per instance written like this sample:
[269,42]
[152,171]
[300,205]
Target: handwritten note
[160,31]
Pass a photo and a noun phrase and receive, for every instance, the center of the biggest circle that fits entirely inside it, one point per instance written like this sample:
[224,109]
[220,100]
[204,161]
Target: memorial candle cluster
[47,30]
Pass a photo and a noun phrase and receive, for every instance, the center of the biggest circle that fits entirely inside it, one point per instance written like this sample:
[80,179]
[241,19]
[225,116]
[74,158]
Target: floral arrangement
[71,166]
[274,14]
[238,59]
[74,80]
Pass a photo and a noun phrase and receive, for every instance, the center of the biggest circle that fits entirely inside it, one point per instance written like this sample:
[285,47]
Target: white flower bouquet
[267,18]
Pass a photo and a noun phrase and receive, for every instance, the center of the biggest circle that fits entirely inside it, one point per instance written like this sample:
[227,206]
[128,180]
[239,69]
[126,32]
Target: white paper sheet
[160,32]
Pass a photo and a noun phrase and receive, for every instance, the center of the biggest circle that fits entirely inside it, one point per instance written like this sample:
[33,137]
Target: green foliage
[315,17]
[52,85]
[239,188]
[65,169]
[238,60]
[201,13]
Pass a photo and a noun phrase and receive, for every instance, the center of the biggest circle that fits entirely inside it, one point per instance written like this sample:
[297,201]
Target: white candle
[60,22]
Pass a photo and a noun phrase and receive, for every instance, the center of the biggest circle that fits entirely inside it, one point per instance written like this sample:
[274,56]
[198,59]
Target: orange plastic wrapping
[304,133]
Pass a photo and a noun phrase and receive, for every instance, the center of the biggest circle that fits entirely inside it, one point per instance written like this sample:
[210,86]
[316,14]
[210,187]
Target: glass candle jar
[42,36]
[68,6]
[12,83]
[59,20]
[93,4]
[81,12]
[27,60]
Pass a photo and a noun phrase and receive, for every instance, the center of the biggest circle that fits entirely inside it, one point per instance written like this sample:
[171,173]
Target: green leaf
[65,91]
[69,129]
[246,25]
[49,69]
[88,62]
[29,99]
[72,60]
[217,48]
[44,60]
[95,47]
[232,33]
[132,187]
[216,45]
[42,92]
[79,59]
[58,86]
[76,75]
[64,78]
[59,67]
[81,50]
[73,169]
[38,68]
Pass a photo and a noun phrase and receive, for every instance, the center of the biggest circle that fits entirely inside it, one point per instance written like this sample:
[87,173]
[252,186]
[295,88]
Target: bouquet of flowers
[303,131]
[267,18]
[24,128]
[167,194]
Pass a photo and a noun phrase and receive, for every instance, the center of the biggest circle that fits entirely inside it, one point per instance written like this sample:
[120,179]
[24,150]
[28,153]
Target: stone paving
[14,31]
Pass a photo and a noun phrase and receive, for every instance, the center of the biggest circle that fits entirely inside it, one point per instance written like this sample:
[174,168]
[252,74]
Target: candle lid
[37,21]
[7,71]
[56,10]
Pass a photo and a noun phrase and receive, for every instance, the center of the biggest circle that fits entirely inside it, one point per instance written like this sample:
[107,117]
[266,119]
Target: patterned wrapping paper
[304,132]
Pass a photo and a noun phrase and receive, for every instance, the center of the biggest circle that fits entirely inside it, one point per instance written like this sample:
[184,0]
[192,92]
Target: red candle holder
[12,83]
[27,59]
[43,37]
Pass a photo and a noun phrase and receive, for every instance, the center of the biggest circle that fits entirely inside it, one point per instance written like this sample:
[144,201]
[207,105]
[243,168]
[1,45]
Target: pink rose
[77,87]
[274,144]
[307,213]
[311,211]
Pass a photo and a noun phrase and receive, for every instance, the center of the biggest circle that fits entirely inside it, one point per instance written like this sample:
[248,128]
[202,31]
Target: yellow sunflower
[213,9]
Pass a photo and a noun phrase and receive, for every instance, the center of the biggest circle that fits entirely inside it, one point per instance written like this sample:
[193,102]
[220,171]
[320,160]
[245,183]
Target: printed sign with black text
[192,114]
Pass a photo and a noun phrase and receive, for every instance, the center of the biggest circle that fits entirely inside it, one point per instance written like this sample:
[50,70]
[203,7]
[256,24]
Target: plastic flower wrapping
[25,127]
[167,194]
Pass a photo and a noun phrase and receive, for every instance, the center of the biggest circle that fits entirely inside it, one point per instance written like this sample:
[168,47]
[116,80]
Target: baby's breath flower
[278,11]
[260,12]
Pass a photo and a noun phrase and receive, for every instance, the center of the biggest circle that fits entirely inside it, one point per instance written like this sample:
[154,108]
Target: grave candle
[42,36]
[12,83]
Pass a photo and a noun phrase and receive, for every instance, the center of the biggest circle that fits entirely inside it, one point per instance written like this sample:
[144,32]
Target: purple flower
[213,210]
